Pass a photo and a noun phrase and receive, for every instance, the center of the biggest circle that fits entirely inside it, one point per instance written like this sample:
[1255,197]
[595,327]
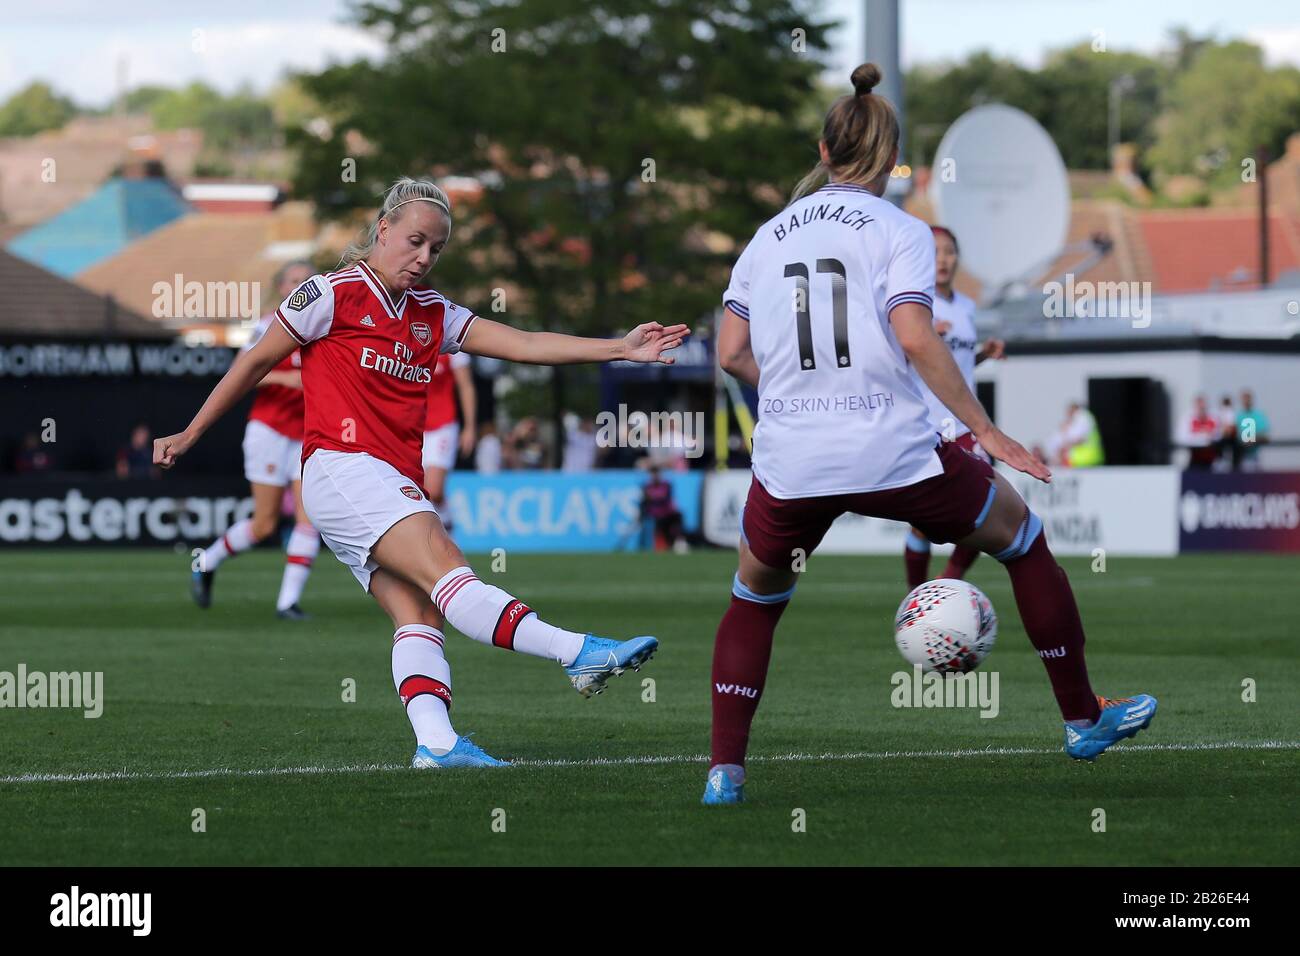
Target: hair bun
[865,78]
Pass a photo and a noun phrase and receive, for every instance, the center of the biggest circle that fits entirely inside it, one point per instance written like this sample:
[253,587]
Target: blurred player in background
[272,459]
[444,438]
[370,335]
[843,428]
[658,506]
[954,320]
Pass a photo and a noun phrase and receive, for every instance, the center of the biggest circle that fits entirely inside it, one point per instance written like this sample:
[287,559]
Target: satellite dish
[999,184]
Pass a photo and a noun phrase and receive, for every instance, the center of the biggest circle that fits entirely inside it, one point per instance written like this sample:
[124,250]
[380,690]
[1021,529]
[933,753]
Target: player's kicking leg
[418,549]
[1013,535]
[422,677]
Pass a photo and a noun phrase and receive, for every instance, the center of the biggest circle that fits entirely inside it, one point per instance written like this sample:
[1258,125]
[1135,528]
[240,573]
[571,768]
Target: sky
[78,45]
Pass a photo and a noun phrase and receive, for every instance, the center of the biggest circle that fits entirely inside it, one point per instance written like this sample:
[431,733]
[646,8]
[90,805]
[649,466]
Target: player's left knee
[1031,527]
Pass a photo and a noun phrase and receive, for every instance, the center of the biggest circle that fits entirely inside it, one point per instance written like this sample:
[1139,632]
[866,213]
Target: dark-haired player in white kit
[828,311]
[954,321]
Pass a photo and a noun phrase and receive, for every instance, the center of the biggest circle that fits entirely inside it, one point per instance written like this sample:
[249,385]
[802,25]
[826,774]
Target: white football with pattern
[946,625]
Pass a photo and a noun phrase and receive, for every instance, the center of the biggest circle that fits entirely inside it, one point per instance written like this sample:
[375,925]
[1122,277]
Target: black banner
[76,402]
[92,512]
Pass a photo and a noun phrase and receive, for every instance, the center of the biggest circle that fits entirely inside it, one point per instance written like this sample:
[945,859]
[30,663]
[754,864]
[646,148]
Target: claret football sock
[422,677]
[916,559]
[1051,619]
[304,544]
[959,562]
[238,537]
[741,653]
[487,614]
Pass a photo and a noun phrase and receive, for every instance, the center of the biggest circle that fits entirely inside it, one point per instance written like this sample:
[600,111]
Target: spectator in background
[1252,431]
[32,457]
[668,449]
[136,459]
[657,504]
[1226,445]
[487,455]
[524,448]
[579,444]
[1200,433]
[622,454]
[1078,442]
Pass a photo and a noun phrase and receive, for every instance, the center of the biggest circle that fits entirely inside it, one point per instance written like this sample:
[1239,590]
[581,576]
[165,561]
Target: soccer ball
[946,625]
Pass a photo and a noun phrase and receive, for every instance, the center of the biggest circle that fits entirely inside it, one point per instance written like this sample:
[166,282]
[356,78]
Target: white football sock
[489,615]
[238,537]
[304,544]
[422,677]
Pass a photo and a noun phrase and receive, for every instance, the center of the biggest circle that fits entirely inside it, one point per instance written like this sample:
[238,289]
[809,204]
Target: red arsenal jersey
[442,392]
[278,406]
[367,362]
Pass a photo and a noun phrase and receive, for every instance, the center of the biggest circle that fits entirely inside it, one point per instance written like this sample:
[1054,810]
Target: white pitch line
[646,761]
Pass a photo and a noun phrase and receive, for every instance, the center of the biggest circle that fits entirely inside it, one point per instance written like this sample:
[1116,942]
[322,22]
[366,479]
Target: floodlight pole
[883,32]
[1118,87]
[1261,171]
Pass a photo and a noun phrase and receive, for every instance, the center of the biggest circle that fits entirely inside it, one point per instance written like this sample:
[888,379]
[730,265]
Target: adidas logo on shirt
[368,321]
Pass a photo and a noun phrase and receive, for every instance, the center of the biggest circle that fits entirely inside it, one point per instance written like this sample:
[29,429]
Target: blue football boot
[201,587]
[464,754]
[600,659]
[726,784]
[1120,719]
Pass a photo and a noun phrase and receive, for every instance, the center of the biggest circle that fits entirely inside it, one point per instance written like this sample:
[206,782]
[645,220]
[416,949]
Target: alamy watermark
[977,689]
[76,909]
[1098,300]
[681,432]
[77,690]
[179,299]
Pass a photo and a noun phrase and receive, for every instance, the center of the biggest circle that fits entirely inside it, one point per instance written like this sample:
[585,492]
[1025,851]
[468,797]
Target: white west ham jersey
[960,338]
[839,409]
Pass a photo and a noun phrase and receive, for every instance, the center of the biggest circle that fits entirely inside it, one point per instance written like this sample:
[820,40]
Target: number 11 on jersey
[839,310]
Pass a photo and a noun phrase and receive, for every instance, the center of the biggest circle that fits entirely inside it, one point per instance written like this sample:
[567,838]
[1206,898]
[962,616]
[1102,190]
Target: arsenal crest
[411,491]
[422,332]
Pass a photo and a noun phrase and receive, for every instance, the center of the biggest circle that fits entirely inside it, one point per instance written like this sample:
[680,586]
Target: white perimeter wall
[1033,390]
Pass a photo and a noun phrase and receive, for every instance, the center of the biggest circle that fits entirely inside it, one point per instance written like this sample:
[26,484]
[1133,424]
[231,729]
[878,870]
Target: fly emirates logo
[397,365]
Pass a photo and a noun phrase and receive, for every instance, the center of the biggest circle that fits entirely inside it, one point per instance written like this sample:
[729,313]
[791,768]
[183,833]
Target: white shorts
[352,498]
[269,457]
[441,447]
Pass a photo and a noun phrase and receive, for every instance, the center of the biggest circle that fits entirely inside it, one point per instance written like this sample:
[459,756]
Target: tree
[185,107]
[34,109]
[1069,96]
[143,99]
[937,95]
[1076,84]
[1220,109]
[613,144]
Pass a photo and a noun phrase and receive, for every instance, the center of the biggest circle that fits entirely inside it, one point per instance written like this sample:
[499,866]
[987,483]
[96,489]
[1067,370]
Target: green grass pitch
[241,715]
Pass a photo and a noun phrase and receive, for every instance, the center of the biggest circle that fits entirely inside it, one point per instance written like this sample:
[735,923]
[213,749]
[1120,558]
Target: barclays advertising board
[553,511]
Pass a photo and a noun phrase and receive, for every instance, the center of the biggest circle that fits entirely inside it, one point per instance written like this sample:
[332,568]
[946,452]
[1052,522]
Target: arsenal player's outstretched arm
[248,369]
[645,343]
